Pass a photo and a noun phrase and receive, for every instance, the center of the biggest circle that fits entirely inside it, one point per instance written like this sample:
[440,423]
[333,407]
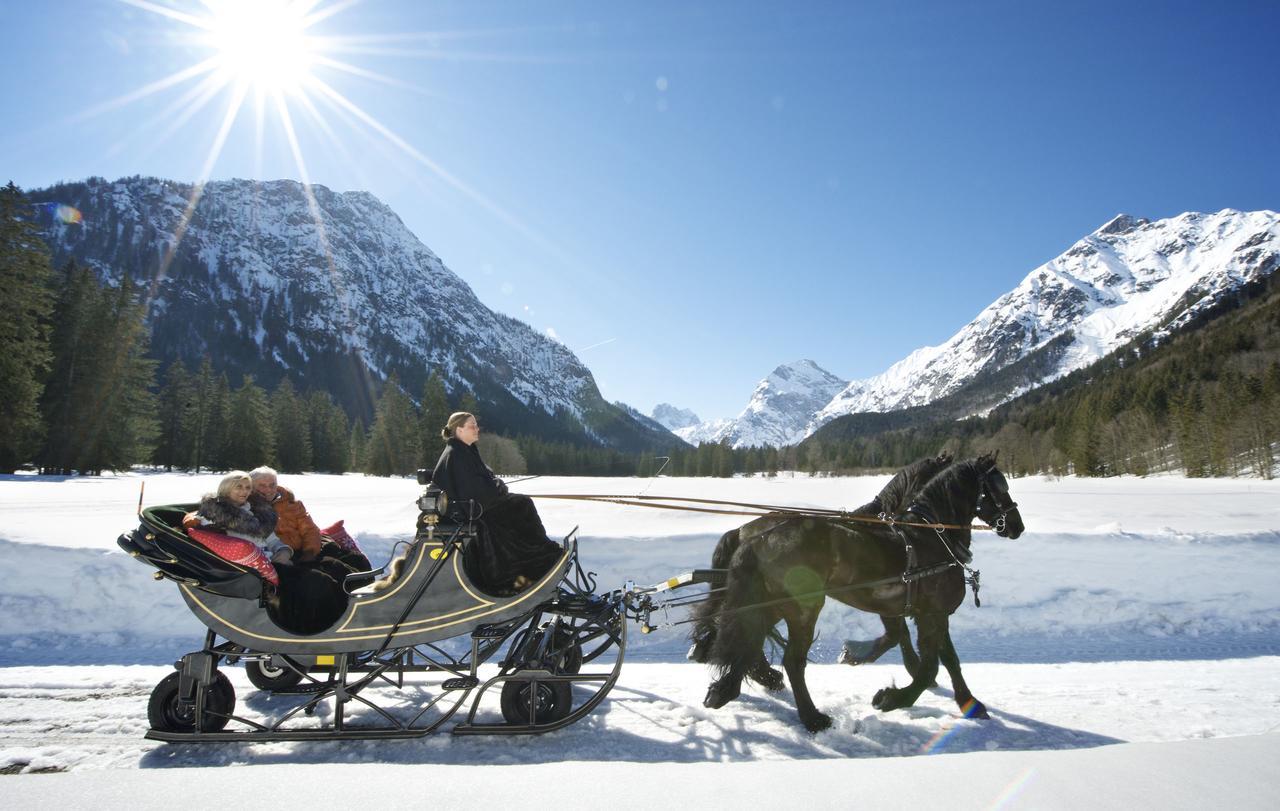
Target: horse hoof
[973,708]
[885,699]
[718,696]
[856,653]
[817,723]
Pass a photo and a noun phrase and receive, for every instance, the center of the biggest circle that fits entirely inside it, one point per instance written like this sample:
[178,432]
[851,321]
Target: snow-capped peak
[673,418]
[1130,276]
[779,410]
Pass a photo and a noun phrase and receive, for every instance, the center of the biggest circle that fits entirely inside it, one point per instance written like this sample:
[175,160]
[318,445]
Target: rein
[756,510]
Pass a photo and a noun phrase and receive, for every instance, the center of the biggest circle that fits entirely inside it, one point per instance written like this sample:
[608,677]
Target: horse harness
[913,573]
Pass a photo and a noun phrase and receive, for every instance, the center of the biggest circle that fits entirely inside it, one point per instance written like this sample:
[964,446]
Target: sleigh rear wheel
[266,676]
[167,712]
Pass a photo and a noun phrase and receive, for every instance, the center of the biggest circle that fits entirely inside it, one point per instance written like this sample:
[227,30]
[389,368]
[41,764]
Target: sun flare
[261,44]
[266,56]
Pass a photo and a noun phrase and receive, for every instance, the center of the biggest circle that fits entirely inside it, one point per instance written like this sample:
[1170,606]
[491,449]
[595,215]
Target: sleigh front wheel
[168,712]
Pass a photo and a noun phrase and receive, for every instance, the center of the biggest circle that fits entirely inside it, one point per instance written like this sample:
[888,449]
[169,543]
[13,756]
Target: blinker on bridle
[986,490]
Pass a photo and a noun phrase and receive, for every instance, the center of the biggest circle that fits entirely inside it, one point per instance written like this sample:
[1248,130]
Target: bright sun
[261,43]
[266,55]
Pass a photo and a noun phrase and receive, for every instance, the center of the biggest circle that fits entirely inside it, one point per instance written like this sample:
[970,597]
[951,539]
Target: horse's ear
[987,460]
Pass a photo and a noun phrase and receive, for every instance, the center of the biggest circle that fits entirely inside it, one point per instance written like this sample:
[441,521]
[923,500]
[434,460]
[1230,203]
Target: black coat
[511,540]
[464,476]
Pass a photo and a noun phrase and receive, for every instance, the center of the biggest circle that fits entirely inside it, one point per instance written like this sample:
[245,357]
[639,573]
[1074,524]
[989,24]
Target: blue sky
[689,194]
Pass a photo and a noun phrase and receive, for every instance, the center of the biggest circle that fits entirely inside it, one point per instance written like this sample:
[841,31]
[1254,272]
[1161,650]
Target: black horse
[784,568]
[893,499]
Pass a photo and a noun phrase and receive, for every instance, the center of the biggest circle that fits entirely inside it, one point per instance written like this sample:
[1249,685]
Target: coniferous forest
[80,393]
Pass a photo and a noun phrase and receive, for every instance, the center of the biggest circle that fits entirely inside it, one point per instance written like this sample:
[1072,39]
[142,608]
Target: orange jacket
[295,527]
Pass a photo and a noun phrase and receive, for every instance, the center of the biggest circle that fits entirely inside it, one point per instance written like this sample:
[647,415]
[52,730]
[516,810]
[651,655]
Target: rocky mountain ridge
[1130,277]
[331,289]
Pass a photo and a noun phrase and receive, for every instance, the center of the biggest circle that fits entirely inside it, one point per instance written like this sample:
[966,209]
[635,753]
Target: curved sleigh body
[399,661]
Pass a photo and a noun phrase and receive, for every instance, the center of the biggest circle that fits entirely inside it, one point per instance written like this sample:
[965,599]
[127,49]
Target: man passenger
[296,527]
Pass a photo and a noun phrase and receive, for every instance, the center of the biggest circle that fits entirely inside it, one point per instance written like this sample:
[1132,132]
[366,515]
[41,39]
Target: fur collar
[259,522]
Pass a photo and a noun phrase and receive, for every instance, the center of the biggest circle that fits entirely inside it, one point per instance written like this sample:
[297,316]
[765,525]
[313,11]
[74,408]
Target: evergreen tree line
[75,379]
[208,425]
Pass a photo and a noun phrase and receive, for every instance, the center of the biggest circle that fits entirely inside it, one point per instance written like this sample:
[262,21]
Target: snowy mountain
[1130,277]
[642,418]
[672,418]
[333,291]
[780,409]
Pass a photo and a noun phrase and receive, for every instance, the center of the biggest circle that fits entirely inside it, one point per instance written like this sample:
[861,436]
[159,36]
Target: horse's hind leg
[970,706]
[800,625]
[931,629]
[857,652]
[740,629]
[703,635]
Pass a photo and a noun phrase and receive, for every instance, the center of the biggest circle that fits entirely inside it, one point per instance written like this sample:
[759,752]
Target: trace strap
[756,510]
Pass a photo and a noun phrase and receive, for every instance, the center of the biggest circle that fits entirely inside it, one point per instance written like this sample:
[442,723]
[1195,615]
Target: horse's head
[995,506]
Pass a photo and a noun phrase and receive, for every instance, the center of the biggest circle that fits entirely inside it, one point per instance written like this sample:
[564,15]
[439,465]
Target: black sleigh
[400,661]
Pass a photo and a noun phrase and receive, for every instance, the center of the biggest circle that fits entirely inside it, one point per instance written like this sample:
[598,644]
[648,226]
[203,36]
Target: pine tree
[291,428]
[217,432]
[208,418]
[469,404]
[177,407]
[249,439]
[127,424]
[99,407]
[433,413]
[330,434]
[69,384]
[25,305]
[358,445]
[394,444]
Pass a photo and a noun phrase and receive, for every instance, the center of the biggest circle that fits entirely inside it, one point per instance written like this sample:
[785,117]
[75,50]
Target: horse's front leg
[800,625]
[930,631]
[970,706]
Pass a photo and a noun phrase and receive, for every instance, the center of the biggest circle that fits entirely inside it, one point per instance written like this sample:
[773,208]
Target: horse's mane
[908,482]
[941,488]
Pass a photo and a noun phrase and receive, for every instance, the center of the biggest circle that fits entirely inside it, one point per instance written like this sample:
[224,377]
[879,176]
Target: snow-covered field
[1128,647]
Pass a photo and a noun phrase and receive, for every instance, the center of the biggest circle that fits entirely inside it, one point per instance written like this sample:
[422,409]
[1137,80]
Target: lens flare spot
[64,213]
[803,583]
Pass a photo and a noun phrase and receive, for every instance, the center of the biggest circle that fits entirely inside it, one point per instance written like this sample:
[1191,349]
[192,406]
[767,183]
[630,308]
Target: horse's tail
[703,635]
[743,624]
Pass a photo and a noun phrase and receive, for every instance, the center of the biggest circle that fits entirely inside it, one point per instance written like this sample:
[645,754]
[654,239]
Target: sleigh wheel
[266,676]
[168,713]
[568,656]
[551,700]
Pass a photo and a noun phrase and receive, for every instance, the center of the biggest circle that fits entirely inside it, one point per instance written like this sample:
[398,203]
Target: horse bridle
[993,486]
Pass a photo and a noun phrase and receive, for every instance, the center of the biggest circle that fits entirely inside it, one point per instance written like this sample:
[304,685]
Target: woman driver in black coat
[512,549]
